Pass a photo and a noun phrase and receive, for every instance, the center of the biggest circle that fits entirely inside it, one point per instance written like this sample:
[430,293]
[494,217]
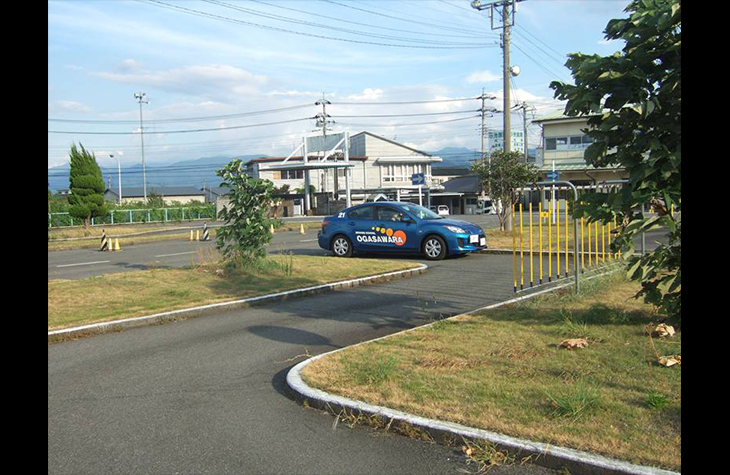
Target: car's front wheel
[434,248]
[341,246]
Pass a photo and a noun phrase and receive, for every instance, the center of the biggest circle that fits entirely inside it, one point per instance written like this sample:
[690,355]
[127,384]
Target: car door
[395,230]
[359,223]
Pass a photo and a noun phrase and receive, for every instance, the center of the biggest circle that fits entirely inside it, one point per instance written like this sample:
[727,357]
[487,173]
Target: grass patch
[502,370]
[133,294]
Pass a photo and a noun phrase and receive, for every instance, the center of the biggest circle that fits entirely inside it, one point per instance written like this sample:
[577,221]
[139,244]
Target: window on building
[291,174]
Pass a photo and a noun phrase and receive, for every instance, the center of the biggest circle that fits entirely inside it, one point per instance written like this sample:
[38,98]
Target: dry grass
[133,294]
[503,371]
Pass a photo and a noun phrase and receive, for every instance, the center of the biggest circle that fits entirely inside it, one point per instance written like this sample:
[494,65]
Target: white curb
[590,462]
[116,325]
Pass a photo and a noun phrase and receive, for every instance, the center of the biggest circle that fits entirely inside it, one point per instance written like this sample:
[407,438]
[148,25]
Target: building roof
[298,158]
[574,165]
[138,192]
[393,142]
[462,184]
[449,171]
[559,115]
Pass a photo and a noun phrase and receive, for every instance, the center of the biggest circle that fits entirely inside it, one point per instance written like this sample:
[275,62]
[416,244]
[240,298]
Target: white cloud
[59,107]
[367,95]
[482,76]
[219,81]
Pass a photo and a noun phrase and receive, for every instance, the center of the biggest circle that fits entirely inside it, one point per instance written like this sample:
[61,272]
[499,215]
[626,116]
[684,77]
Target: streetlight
[119,171]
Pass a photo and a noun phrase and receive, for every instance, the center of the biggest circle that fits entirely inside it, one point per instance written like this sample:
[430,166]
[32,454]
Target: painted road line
[83,264]
[309,240]
[177,254]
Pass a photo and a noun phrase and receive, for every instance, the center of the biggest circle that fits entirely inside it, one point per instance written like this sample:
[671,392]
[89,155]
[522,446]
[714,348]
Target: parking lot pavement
[208,395]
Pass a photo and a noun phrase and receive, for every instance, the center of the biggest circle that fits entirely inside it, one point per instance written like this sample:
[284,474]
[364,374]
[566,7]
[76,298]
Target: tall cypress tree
[86,186]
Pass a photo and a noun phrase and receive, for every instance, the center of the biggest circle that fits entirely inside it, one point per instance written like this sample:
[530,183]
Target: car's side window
[389,214]
[366,212]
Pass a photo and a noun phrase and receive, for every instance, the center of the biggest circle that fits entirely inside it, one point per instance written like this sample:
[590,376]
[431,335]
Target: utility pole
[507,17]
[524,107]
[322,121]
[506,30]
[140,98]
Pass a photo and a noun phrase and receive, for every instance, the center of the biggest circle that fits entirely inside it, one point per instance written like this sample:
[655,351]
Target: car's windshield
[420,212]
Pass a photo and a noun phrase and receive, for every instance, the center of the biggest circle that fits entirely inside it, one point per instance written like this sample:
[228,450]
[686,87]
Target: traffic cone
[116,245]
[104,242]
[301,231]
[206,237]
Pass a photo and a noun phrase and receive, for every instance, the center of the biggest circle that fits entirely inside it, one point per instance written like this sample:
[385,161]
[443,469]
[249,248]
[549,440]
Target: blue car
[398,227]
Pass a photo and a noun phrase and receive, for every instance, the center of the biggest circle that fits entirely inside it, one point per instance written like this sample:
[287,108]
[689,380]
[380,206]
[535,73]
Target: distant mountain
[461,157]
[455,157]
[183,173]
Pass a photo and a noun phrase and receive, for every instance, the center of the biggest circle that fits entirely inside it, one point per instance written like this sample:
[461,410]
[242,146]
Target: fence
[550,241]
[129,216]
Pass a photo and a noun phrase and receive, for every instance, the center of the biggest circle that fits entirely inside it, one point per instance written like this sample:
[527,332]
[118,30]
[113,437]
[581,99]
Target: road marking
[177,254]
[83,264]
[309,240]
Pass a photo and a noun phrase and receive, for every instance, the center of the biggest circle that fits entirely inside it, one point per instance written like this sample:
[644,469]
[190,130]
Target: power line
[406,125]
[405,102]
[311,35]
[400,30]
[401,115]
[408,20]
[182,131]
[184,119]
[330,27]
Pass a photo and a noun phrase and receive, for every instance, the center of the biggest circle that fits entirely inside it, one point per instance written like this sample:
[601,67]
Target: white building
[380,166]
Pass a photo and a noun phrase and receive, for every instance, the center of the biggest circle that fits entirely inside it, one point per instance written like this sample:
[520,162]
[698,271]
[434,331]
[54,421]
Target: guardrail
[130,216]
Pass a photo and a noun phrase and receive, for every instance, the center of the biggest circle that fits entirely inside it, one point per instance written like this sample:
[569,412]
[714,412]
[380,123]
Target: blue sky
[201,59]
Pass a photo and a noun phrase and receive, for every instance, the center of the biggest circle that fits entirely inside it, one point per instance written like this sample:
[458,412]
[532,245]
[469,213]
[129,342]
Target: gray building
[169,194]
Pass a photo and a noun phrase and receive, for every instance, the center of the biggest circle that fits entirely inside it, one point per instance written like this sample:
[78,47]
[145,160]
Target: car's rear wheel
[341,246]
[434,248]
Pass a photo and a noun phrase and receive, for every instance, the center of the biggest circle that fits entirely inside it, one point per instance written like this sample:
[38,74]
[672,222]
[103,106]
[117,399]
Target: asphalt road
[207,395]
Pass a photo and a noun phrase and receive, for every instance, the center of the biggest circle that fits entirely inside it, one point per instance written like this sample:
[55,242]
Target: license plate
[473,239]
[483,241]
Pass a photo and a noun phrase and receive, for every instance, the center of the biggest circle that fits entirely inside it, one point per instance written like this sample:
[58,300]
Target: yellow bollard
[116,245]
[522,255]
[191,234]
[566,237]
[603,243]
[597,252]
[608,232]
[615,226]
[271,228]
[540,229]
[550,243]
[301,231]
[532,280]
[514,249]
[582,247]
[197,235]
[557,238]
[590,255]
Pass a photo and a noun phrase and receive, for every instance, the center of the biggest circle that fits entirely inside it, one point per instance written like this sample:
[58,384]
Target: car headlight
[456,229]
